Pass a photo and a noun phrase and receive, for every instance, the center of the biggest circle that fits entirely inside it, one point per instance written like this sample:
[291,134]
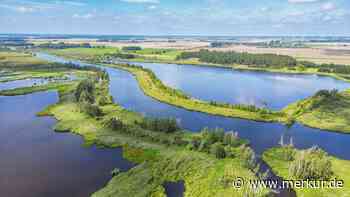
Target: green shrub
[231,139]
[218,150]
[114,123]
[248,157]
[312,164]
[104,100]
[90,109]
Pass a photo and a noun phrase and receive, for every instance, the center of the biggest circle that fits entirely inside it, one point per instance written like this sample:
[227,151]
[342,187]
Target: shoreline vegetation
[172,56]
[207,162]
[318,111]
[153,87]
[310,164]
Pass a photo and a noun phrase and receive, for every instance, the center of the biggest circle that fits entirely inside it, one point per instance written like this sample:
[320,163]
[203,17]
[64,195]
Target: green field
[19,59]
[83,53]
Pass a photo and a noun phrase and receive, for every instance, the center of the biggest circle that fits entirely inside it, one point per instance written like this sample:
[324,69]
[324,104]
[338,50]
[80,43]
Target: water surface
[37,162]
[22,83]
[262,89]
[262,136]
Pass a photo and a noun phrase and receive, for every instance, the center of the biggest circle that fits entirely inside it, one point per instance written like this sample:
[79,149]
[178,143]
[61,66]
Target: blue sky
[180,17]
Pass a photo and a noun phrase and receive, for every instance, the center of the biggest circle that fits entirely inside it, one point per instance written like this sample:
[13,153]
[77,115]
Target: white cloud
[84,16]
[302,1]
[72,3]
[141,1]
[152,7]
[329,6]
[24,9]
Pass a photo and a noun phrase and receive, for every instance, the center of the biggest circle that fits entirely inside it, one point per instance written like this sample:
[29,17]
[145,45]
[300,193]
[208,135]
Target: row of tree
[232,57]
[166,125]
[62,45]
[328,68]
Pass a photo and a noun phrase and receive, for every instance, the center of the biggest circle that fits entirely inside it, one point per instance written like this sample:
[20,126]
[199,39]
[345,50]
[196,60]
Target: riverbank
[323,111]
[276,159]
[160,157]
[149,56]
[154,88]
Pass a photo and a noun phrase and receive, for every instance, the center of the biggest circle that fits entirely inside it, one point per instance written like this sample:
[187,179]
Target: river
[262,136]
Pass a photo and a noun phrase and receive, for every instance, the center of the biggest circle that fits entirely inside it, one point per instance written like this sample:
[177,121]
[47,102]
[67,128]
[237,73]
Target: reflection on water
[22,83]
[126,92]
[272,90]
[37,162]
[174,189]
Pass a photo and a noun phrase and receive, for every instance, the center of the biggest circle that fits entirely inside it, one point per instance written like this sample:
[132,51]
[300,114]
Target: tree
[218,150]
[312,164]
[90,109]
[248,157]
[87,88]
[114,123]
[230,138]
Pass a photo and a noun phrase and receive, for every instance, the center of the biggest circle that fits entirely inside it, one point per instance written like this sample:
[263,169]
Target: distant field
[81,53]
[324,54]
[154,44]
[19,59]
[338,53]
[158,54]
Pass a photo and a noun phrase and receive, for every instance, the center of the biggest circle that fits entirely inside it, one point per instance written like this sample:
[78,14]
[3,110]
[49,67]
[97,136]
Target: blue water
[262,136]
[22,83]
[37,162]
[263,89]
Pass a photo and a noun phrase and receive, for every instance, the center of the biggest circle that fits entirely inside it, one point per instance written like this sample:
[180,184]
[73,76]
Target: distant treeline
[232,57]
[51,67]
[328,68]
[62,45]
[131,48]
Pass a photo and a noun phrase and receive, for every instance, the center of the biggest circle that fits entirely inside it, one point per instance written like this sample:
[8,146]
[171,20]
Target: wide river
[36,161]
[126,92]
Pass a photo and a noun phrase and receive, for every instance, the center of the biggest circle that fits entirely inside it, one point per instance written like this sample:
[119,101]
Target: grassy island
[154,88]
[207,162]
[292,164]
[328,110]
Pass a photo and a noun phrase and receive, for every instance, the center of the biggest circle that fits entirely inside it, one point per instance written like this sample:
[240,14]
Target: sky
[177,17]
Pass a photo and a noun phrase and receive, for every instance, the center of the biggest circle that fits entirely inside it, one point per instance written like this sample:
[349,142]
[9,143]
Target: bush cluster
[312,164]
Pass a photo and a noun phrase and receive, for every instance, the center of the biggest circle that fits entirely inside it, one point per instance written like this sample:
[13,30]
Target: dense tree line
[166,125]
[328,68]
[122,55]
[131,48]
[62,45]
[232,57]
